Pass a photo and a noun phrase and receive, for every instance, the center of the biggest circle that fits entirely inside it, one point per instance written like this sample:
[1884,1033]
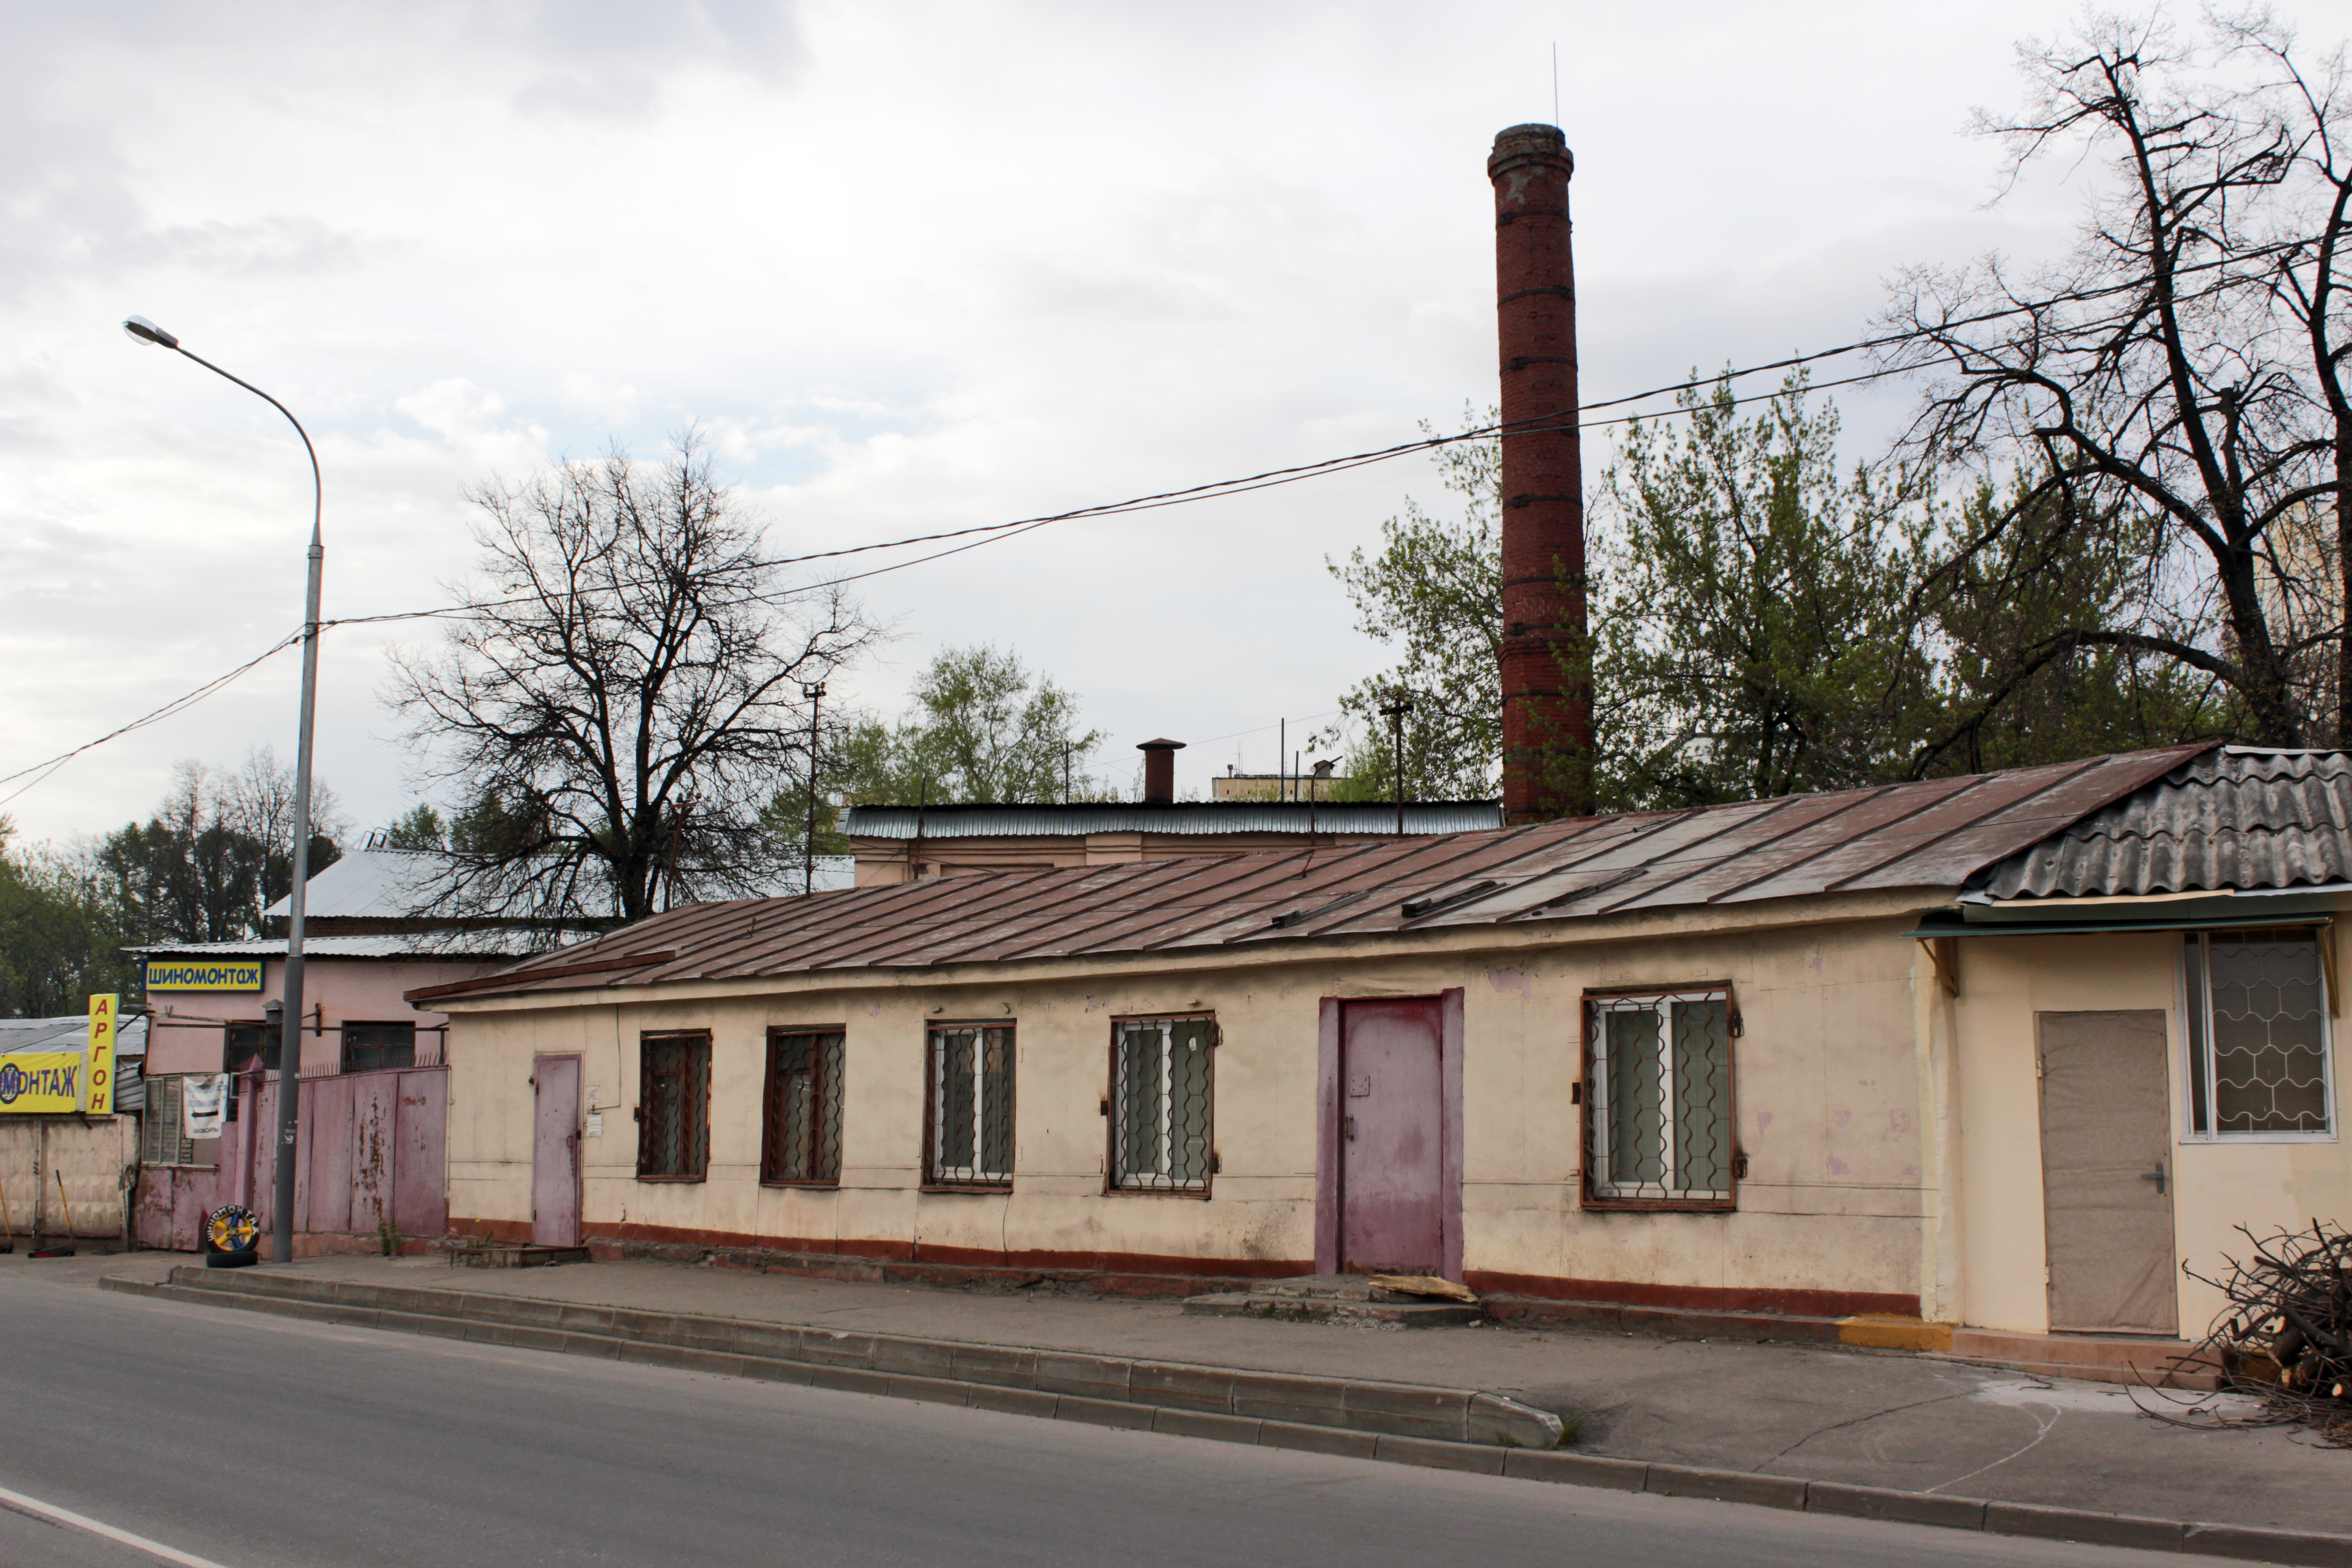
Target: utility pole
[1398,706]
[815,695]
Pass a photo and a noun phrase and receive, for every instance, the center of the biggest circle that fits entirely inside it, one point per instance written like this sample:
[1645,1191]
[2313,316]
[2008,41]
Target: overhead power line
[988,533]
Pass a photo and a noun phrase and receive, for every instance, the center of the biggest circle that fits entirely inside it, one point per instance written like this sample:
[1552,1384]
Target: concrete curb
[1397,1423]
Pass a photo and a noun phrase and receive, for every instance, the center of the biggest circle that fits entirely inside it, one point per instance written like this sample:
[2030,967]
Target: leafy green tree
[1753,633]
[1433,592]
[980,728]
[60,942]
[2019,688]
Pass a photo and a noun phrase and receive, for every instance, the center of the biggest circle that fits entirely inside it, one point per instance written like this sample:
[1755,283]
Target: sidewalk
[1893,1420]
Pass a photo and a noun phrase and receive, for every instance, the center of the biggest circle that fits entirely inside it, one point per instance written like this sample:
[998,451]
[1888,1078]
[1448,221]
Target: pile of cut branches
[2286,1336]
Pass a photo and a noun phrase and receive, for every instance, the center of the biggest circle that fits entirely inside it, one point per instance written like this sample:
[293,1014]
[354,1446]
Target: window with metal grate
[2259,1059]
[673,1107]
[372,1047]
[1658,1111]
[969,1110]
[162,1128]
[1162,1077]
[800,1140]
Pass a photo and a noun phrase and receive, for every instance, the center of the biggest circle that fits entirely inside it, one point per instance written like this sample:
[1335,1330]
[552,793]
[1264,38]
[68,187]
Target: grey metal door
[2106,1178]
[1391,1140]
[555,1152]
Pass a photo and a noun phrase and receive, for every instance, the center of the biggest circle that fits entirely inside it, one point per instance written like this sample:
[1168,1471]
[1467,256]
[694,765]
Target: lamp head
[140,329]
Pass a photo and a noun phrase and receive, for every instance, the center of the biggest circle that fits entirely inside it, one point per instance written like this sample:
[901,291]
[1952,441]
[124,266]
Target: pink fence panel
[420,1167]
[371,1146]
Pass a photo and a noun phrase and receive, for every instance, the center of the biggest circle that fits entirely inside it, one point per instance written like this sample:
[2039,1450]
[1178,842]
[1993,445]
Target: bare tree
[2178,385]
[619,701]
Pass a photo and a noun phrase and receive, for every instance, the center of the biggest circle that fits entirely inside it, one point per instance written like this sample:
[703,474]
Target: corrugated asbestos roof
[1933,835]
[2238,817]
[1180,818]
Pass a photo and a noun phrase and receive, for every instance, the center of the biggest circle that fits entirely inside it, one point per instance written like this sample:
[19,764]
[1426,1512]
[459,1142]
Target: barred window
[1658,1117]
[162,1130]
[673,1106]
[2258,1044]
[801,1127]
[970,1108]
[1160,1099]
[371,1048]
[245,1042]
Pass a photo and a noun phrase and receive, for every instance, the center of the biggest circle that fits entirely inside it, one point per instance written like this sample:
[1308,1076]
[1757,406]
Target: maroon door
[555,1153]
[1392,1146]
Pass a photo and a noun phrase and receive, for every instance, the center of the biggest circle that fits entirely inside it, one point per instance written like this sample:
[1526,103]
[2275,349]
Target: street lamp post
[290,1052]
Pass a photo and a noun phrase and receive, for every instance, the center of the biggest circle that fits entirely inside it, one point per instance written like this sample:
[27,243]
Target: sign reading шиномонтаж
[40,1082]
[204,974]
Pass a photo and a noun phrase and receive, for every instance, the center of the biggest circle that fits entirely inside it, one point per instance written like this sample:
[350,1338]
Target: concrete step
[2099,1358]
[1038,1382]
[1325,1309]
[516,1255]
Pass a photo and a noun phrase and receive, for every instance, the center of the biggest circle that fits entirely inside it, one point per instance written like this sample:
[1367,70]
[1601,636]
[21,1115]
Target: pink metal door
[1391,1147]
[555,1152]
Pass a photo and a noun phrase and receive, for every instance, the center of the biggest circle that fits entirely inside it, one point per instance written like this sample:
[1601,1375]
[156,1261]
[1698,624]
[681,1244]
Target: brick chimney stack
[1160,771]
[1546,670]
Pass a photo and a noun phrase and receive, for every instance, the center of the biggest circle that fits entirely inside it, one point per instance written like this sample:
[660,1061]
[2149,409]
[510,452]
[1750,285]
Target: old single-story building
[2001,1050]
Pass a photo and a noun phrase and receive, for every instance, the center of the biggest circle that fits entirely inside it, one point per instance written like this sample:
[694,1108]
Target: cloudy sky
[913,267]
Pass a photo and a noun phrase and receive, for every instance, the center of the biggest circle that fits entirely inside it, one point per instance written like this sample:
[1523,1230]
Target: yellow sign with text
[104,1016]
[204,974]
[36,1083]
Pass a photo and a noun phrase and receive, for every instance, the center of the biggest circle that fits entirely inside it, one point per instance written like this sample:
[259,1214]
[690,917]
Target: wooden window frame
[1112,1187]
[933,1067]
[1736,1167]
[690,1104]
[829,1088]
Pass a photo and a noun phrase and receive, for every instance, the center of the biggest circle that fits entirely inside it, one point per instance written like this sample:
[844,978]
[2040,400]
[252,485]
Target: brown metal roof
[1933,835]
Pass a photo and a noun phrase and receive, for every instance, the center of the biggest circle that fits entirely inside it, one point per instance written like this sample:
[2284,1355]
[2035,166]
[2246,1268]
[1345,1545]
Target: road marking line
[66,1516]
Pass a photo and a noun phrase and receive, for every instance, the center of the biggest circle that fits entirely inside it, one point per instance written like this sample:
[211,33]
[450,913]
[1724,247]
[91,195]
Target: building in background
[372,1065]
[908,843]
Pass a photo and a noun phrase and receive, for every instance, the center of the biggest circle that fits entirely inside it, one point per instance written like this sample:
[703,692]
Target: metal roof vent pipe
[1160,771]
[1546,657]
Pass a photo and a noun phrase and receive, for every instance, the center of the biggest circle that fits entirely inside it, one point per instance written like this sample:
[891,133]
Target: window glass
[2258,1034]
[674,1105]
[1659,1126]
[801,1138]
[1162,1139]
[372,1047]
[972,1107]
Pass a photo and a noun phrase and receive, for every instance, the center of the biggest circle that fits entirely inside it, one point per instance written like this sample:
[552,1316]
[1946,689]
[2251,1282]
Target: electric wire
[1216,490]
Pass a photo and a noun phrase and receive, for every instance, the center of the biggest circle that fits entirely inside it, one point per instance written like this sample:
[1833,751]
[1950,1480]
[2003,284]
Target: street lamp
[289,1055]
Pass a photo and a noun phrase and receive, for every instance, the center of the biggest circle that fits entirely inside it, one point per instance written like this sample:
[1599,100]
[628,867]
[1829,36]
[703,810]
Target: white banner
[203,1101]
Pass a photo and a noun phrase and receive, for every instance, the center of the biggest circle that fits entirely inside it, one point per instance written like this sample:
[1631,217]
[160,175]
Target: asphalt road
[253,1442]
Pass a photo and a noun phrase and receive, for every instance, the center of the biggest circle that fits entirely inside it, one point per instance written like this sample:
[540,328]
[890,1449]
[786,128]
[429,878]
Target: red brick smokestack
[1547,685]
[1160,771]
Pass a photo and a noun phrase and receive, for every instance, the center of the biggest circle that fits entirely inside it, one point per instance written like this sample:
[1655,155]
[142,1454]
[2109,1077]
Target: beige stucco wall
[1997,1238]
[1827,1072]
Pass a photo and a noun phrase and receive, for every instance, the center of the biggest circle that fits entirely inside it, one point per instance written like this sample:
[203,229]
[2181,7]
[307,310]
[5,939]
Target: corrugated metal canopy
[1931,836]
[1180,819]
[458,944]
[2236,817]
